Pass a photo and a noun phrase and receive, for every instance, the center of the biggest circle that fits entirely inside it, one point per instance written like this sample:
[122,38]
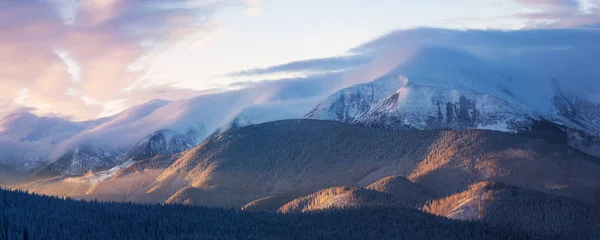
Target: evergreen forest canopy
[28,216]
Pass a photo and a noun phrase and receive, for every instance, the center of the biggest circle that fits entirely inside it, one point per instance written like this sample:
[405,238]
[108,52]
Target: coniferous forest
[28,216]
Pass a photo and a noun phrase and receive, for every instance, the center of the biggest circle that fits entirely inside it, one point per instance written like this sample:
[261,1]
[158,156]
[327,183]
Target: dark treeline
[26,216]
[540,212]
[521,208]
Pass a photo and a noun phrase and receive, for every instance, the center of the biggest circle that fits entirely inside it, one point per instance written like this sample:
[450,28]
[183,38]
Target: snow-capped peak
[452,89]
[351,104]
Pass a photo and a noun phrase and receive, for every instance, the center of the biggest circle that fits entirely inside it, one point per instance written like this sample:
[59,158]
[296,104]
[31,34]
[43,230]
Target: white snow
[500,126]
[467,209]
[101,176]
[436,76]
[358,99]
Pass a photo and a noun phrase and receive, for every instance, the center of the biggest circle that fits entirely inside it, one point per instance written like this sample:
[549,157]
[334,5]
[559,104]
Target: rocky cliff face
[163,142]
[81,160]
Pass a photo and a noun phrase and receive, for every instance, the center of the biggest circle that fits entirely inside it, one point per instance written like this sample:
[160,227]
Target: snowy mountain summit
[393,102]
[444,89]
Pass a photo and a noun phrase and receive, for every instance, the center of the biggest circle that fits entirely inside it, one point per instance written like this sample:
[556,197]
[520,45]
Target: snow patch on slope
[103,175]
[350,104]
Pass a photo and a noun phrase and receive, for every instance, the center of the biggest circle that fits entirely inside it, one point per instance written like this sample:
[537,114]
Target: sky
[85,59]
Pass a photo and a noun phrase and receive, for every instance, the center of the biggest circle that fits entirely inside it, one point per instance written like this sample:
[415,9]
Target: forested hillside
[283,172]
[283,157]
[27,216]
[521,208]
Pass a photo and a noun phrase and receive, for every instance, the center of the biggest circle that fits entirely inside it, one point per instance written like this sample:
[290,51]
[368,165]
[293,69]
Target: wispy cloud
[80,57]
[561,13]
[563,54]
[320,65]
[566,55]
[71,53]
[253,7]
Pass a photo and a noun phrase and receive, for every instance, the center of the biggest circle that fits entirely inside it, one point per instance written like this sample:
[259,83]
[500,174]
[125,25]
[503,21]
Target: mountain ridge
[216,165]
[451,89]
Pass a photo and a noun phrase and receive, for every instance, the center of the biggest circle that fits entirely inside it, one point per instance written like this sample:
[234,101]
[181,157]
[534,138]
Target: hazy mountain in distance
[163,128]
[79,161]
[89,149]
[30,138]
[64,177]
[27,127]
[143,131]
[195,118]
[27,140]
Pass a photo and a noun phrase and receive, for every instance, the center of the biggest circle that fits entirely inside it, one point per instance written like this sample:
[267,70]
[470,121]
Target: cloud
[479,39]
[87,58]
[297,87]
[309,66]
[561,13]
[73,56]
[253,7]
[530,55]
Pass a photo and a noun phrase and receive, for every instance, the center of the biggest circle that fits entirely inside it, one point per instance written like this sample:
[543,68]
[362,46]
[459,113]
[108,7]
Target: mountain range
[446,132]
[436,89]
[63,147]
[304,166]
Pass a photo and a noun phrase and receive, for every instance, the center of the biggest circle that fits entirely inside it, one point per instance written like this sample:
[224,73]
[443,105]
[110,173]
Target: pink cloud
[550,2]
[253,7]
[102,40]
[560,13]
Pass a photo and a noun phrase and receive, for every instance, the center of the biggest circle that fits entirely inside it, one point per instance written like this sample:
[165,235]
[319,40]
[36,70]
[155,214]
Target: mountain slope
[164,142]
[522,209]
[307,156]
[271,203]
[121,183]
[80,161]
[413,106]
[9,175]
[351,104]
[402,187]
[340,197]
[113,177]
